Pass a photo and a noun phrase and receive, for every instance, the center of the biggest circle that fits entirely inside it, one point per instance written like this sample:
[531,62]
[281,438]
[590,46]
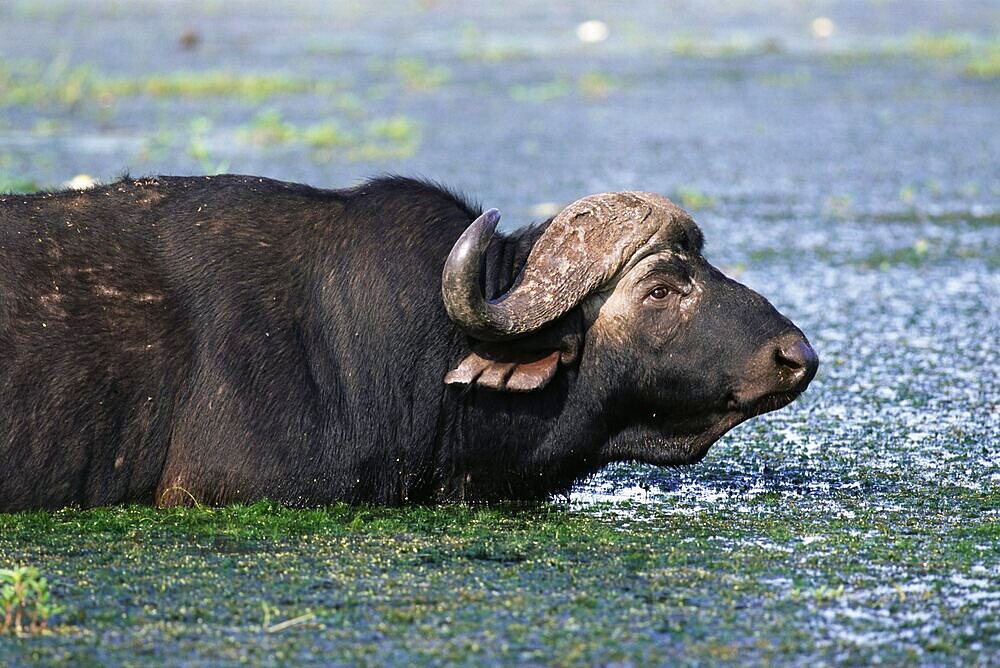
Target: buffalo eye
[659,292]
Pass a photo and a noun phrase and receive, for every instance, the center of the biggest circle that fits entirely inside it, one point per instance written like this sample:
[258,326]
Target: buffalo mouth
[665,439]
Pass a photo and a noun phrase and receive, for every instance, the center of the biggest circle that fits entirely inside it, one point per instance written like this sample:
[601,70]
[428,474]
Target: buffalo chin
[670,443]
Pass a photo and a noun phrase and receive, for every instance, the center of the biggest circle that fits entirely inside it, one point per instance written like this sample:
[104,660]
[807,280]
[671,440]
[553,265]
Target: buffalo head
[674,352]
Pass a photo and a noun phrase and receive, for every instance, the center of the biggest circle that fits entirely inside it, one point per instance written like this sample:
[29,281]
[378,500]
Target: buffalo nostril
[799,357]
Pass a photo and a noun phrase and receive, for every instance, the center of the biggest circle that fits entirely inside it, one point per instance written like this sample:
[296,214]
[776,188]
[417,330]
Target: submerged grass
[591,85]
[17,185]
[609,583]
[980,57]
[974,56]
[394,136]
[32,83]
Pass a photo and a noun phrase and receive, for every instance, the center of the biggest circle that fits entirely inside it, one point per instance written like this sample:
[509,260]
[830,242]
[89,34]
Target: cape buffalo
[225,339]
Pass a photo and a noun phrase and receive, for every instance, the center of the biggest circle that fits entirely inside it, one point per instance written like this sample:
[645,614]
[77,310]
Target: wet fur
[220,339]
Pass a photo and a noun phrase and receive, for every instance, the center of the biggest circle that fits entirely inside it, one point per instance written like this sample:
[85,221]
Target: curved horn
[583,248]
[463,298]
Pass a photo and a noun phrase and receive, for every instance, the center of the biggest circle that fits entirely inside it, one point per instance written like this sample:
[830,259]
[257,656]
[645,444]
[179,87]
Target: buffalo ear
[508,370]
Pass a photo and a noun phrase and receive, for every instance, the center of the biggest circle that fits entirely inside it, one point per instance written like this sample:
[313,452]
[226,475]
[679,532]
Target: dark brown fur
[233,338]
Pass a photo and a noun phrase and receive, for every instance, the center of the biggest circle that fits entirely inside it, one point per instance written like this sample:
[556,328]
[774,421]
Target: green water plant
[26,601]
